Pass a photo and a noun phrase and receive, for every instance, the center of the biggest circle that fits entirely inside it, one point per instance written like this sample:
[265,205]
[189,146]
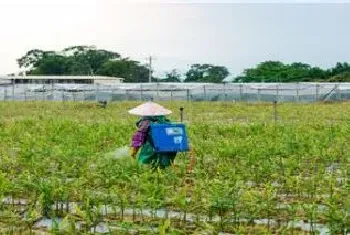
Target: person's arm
[139,137]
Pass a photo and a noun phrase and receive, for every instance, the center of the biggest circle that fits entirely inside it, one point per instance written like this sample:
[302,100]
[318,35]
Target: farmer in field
[149,112]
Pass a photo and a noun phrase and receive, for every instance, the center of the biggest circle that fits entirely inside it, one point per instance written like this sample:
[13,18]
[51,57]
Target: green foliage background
[88,60]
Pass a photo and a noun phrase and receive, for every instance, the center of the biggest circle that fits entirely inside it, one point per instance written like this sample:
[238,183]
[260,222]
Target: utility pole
[150,70]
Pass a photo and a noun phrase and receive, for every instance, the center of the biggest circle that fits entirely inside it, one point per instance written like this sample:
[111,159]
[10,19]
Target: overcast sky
[234,35]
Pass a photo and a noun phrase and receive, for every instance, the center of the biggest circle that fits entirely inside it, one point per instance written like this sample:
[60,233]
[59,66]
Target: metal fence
[246,92]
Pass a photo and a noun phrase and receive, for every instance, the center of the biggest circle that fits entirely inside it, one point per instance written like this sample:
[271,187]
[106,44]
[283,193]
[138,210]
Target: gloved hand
[133,152]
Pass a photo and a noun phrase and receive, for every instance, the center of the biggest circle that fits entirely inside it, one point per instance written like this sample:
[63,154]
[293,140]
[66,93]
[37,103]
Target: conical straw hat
[150,109]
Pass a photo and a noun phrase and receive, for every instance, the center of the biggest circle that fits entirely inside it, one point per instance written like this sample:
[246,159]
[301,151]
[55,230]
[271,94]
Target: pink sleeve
[140,136]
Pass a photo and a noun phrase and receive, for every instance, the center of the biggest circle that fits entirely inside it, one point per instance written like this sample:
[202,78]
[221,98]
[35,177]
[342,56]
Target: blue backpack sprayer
[172,137]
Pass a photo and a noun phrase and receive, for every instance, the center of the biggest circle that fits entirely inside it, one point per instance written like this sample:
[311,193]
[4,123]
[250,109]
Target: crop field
[258,170]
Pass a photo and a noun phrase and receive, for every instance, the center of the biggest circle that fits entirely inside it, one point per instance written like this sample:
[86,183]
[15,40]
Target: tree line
[88,60]
[276,71]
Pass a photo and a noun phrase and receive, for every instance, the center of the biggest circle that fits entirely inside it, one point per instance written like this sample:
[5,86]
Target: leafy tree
[343,77]
[340,68]
[318,73]
[53,65]
[276,71]
[269,71]
[32,58]
[173,76]
[296,72]
[130,70]
[75,60]
[78,66]
[88,59]
[206,73]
